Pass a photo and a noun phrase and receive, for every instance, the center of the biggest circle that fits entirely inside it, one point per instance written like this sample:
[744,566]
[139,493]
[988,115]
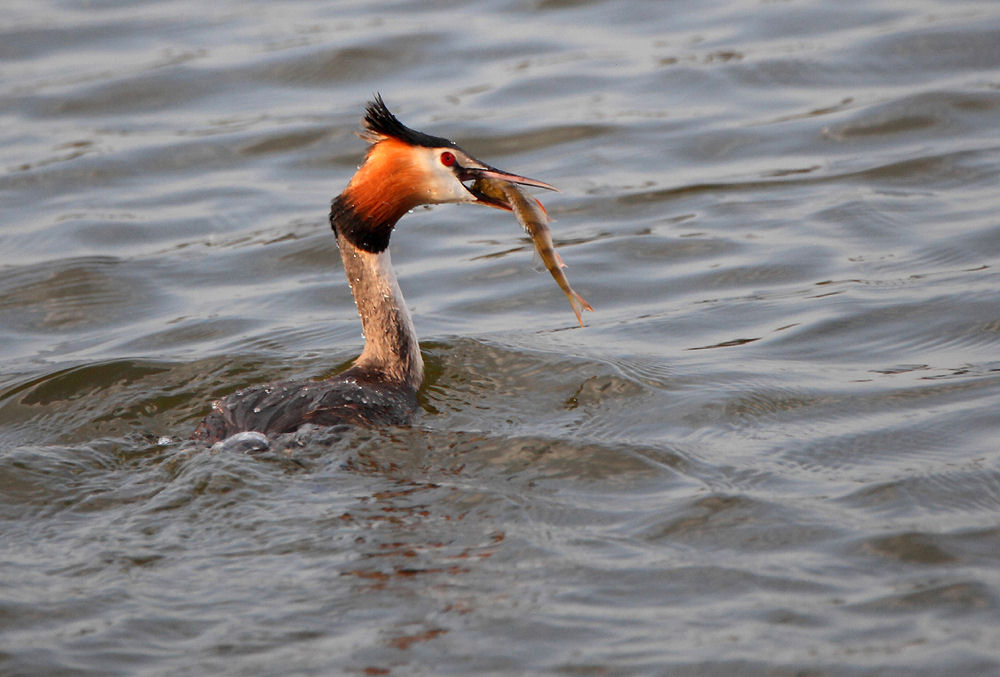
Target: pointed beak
[485,194]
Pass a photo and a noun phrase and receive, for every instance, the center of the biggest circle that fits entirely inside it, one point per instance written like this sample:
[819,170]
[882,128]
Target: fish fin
[562,264]
[542,207]
[537,264]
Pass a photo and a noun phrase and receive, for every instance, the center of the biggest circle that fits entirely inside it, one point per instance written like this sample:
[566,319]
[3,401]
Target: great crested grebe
[404,168]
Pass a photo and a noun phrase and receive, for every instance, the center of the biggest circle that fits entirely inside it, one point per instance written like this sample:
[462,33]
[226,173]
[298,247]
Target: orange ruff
[387,184]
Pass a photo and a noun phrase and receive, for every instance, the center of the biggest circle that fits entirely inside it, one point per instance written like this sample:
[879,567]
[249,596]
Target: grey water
[772,450]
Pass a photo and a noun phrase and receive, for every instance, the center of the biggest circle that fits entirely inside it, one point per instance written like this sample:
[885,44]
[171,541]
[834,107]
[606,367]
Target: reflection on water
[771,451]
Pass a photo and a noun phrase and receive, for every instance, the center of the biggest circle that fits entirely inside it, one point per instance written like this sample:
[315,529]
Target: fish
[535,221]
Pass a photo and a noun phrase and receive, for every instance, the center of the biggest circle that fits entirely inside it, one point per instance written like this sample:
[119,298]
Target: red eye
[447,159]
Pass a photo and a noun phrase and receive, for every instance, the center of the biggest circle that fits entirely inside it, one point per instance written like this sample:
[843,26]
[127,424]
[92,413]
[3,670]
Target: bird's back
[351,397]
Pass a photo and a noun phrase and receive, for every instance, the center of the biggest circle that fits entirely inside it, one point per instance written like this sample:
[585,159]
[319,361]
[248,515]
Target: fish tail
[579,305]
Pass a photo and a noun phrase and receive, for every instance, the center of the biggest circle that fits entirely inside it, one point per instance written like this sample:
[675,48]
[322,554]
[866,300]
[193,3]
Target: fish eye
[447,159]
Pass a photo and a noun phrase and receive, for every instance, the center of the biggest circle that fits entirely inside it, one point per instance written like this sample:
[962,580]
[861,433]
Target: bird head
[414,168]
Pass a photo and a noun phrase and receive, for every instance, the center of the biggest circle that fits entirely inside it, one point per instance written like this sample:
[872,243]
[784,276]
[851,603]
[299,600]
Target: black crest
[379,121]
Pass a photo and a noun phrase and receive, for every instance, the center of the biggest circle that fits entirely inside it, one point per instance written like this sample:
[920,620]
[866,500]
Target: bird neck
[391,351]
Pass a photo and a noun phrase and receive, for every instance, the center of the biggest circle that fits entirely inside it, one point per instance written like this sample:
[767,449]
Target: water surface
[771,451]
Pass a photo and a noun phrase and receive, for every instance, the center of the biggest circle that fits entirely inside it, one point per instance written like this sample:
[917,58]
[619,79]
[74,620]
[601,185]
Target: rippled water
[772,451]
